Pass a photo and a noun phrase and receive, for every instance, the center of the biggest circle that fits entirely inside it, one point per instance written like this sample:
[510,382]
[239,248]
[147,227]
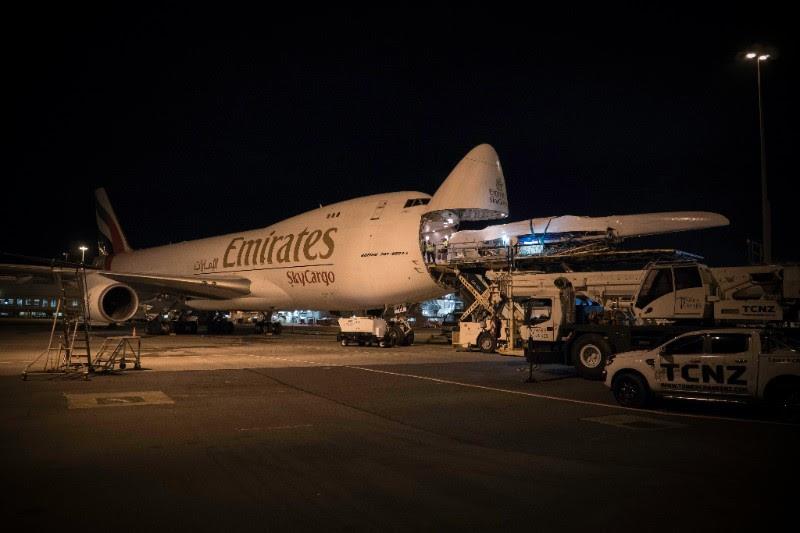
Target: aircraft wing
[196,286]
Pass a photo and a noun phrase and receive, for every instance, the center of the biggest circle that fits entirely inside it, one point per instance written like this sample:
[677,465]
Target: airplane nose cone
[475,189]
[483,153]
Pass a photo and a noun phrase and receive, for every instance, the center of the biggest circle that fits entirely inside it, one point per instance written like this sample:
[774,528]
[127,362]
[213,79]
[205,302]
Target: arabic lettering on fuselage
[206,264]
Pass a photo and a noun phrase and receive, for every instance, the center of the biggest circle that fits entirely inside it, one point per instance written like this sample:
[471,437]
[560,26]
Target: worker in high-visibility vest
[430,250]
[443,250]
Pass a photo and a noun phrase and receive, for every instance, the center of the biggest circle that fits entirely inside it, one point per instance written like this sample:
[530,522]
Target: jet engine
[110,301]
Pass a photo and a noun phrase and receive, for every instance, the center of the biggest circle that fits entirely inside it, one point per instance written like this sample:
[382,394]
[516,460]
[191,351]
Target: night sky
[205,123]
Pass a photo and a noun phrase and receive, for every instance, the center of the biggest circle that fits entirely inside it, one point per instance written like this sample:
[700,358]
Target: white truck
[365,330]
[730,364]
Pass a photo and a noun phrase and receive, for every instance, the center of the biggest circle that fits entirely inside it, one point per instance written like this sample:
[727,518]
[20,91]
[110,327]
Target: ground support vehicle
[363,330]
[450,324]
[732,364]
[581,318]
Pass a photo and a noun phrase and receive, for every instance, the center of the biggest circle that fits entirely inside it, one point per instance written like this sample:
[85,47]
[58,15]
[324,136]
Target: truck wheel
[277,328]
[487,342]
[590,353]
[344,342]
[630,390]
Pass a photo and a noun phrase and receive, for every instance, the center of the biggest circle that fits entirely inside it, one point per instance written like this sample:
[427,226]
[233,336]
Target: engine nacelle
[109,300]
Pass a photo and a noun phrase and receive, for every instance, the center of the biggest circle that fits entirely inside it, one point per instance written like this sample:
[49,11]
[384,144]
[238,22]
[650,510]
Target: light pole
[83,252]
[766,222]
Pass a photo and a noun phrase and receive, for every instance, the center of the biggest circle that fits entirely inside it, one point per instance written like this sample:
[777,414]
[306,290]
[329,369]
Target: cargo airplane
[356,254]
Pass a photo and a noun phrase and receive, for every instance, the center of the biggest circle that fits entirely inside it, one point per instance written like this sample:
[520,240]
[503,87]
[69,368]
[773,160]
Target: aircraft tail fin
[111,240]
[475,189]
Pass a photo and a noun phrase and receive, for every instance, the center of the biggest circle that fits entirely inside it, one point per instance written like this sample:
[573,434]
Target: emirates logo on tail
[111,240]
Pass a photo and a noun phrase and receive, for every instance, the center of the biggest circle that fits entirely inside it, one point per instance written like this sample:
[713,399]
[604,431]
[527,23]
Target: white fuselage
[357,254]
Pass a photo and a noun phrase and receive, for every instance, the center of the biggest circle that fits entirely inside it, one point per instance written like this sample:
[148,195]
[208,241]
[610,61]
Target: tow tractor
[365,330]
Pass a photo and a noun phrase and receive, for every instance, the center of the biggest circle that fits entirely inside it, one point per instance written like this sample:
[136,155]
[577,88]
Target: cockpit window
[416,201]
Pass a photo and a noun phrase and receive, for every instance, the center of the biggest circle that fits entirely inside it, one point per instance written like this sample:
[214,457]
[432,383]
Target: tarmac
[247,432]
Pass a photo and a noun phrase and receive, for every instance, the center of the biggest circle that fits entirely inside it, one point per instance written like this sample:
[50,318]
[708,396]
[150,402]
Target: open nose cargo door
[474,190]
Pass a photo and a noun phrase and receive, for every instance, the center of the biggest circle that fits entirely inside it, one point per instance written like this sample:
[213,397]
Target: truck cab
[718,364]
[692,291]
[670,292]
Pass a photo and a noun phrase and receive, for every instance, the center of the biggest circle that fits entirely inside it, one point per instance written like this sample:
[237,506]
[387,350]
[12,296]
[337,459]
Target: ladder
[68,349]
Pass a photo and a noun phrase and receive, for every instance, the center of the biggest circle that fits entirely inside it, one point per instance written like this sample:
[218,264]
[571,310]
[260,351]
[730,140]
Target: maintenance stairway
[69,350]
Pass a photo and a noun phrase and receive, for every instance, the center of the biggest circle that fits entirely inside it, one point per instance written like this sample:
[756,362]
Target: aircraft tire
[399,338]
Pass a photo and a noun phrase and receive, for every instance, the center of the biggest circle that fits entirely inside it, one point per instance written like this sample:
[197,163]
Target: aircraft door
[539,320]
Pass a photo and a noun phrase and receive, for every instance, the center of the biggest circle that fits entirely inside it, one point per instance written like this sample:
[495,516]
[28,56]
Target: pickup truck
[716,364]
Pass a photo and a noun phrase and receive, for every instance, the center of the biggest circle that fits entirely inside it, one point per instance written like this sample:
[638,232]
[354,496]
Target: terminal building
[30,301]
